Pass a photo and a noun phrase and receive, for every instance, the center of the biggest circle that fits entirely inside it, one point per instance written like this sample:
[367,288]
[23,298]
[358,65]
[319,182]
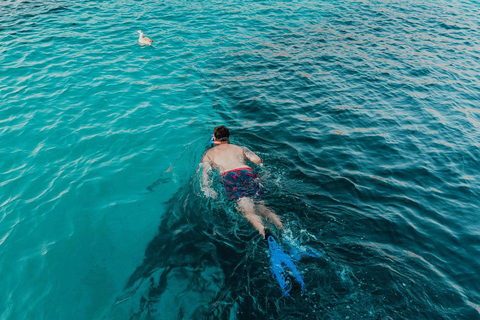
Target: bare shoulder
[207,157]
[237,147]
[250,155]
[246,150]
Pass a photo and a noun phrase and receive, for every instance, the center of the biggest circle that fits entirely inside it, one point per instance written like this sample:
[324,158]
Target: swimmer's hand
[209,192]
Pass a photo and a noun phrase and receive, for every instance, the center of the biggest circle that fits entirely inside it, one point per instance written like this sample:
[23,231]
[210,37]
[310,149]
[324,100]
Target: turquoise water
[366,114]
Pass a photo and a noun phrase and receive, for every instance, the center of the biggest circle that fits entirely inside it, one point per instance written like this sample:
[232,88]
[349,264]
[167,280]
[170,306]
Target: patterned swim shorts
[242,182]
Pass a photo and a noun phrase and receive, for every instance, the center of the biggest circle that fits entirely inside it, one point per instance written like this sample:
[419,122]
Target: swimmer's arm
[206,181]
[250,155]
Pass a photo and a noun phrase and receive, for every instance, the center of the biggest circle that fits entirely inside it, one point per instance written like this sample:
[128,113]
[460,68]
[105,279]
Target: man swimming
[239,180]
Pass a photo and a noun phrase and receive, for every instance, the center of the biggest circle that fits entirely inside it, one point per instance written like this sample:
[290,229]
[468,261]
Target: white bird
[144,40]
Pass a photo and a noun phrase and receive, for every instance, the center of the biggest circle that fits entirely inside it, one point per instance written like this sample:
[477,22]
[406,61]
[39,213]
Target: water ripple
[364,113]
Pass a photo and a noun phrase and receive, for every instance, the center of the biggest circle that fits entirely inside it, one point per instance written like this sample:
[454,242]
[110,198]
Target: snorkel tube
[214,142]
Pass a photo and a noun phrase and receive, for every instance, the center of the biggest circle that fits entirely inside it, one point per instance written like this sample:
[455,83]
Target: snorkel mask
[214,142]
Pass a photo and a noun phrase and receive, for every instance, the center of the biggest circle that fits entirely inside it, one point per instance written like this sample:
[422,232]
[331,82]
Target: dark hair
[221,132]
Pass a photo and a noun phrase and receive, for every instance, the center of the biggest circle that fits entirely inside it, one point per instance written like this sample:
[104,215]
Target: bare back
[225,157]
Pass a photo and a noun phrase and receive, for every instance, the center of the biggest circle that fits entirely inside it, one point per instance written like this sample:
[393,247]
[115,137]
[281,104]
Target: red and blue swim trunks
[242,182]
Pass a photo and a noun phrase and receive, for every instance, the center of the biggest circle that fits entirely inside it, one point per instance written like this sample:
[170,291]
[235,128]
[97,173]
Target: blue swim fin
[283,268]
[298,252]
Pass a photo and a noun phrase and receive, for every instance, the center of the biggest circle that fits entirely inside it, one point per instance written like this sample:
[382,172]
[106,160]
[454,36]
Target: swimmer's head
[221,134]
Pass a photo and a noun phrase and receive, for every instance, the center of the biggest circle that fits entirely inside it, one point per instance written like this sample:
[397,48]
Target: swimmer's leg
[247,207]
[269,214]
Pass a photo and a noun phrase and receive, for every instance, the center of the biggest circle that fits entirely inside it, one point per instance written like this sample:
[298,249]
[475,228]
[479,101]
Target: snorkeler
[239,180]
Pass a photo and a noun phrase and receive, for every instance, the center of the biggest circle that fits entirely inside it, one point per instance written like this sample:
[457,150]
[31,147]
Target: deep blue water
[367,116]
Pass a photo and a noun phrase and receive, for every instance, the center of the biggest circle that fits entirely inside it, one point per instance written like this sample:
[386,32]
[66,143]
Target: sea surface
[366,114]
